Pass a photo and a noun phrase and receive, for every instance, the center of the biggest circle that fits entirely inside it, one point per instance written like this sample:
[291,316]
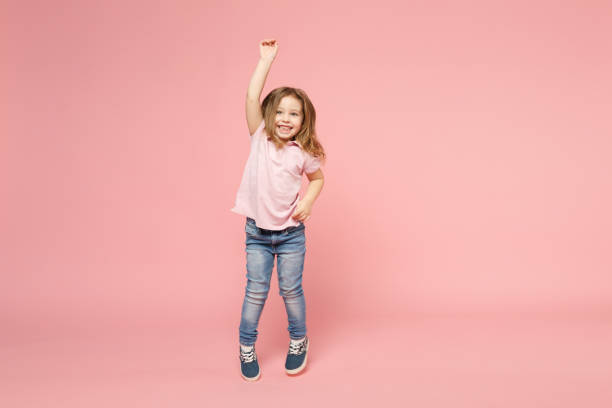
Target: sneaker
[249,366]
[296,356]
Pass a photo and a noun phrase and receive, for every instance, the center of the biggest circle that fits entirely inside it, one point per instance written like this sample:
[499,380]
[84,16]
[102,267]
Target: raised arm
[267,52]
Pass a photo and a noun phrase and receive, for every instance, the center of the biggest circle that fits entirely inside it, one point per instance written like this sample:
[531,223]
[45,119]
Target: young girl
[284,145]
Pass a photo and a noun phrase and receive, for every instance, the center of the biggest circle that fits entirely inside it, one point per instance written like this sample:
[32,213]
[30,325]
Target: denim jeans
[289,245]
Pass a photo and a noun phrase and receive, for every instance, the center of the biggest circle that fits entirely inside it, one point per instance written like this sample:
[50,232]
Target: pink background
[464,223]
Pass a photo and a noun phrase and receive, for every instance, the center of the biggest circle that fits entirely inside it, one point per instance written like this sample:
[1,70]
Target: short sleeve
[259,129]
[311,164]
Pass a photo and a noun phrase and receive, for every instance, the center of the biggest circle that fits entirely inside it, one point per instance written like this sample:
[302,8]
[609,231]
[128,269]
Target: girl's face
[289,117]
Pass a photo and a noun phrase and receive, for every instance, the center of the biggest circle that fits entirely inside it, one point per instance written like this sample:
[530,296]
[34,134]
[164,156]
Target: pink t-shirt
[271,182]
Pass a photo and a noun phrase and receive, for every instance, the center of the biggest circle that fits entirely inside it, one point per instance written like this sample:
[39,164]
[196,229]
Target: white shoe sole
[251,379]
[300,368]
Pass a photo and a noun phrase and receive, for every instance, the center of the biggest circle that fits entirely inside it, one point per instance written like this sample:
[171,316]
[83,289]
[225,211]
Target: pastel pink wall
[469,150]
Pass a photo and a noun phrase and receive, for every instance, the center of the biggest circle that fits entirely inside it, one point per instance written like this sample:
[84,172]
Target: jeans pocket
[251,228]
[296,228]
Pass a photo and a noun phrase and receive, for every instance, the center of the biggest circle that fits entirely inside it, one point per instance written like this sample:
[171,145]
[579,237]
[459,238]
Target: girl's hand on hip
[302,211]
[268,48]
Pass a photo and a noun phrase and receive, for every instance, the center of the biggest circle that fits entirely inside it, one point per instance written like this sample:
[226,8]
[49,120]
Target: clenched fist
[268,49]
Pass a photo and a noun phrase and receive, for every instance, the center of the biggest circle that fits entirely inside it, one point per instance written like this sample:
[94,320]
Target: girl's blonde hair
[307,136]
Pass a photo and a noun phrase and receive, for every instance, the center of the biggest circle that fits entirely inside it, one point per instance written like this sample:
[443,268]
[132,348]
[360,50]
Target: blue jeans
[289,245]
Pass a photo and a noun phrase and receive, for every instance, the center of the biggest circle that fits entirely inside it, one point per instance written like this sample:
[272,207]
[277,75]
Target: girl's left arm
[315,186]
[304,207]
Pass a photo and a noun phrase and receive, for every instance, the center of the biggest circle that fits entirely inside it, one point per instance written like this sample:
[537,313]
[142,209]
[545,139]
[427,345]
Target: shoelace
[247,356]
[297,348]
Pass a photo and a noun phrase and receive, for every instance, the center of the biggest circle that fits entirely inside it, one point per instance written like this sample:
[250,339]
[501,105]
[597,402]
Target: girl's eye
[295,114]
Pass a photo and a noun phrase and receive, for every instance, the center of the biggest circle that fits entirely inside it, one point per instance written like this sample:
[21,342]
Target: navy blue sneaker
[296,356]
[249,366]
